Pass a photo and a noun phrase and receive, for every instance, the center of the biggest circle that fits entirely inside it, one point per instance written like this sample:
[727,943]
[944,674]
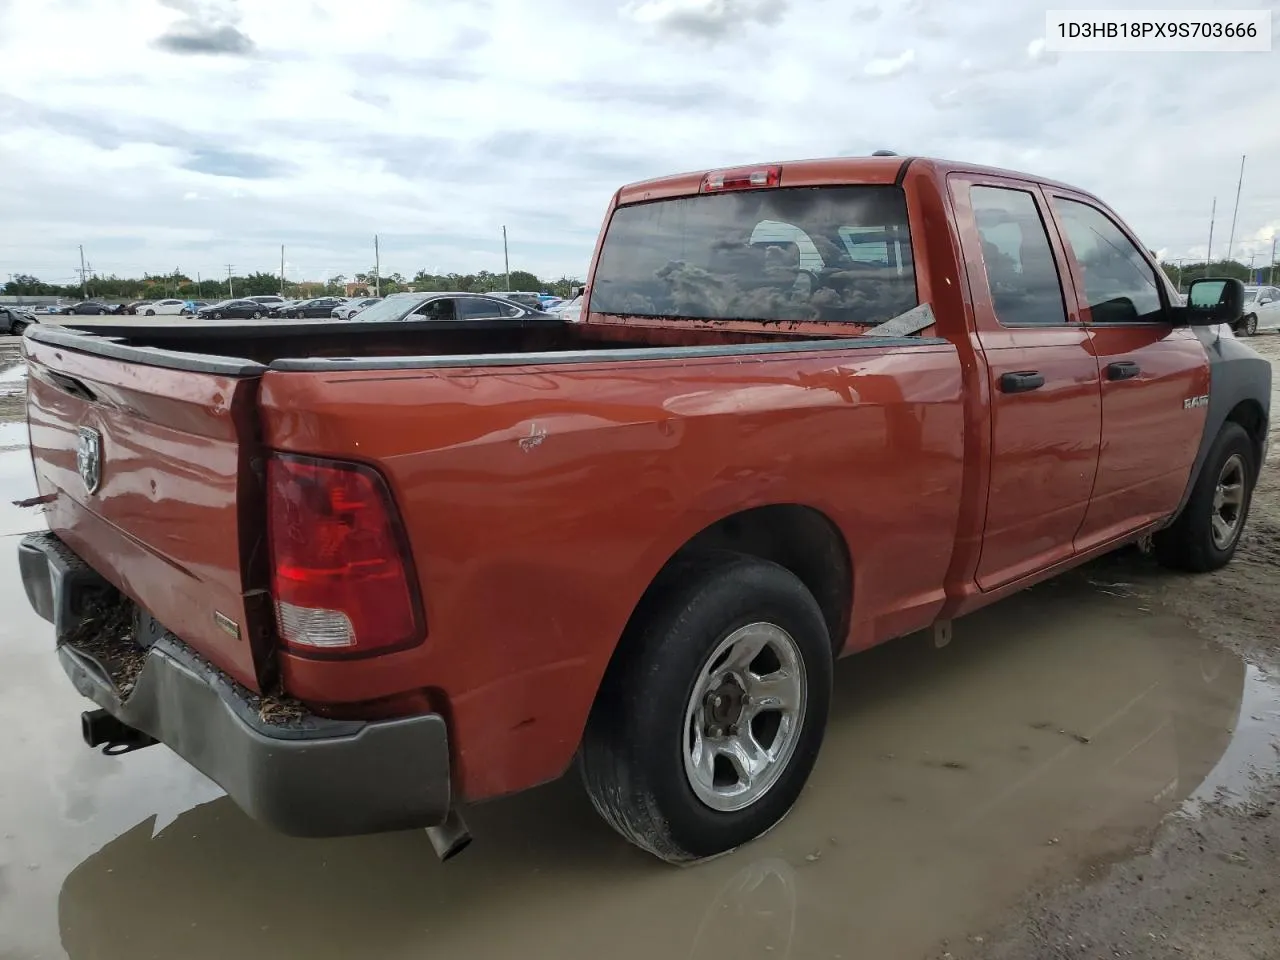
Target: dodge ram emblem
[89,458]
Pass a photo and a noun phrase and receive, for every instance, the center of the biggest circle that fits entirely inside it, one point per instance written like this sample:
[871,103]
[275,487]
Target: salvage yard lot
[1042,747]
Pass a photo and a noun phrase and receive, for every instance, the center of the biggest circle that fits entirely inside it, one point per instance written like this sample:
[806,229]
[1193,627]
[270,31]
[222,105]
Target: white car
[1261,310]
[164,308]
[349,309]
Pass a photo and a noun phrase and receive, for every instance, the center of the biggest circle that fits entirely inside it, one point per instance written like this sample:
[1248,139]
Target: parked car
[87,308]
[349,309]
[191,307]
[523,297]
[760,449]
[1261,310]
[14,320]
[233,310]
[163,308]
[132,306]
[570,310]
[319,307]
[449,305]
[269,300]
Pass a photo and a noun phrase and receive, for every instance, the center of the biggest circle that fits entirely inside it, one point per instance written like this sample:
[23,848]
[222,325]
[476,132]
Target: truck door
[1152,373]
[1045,398]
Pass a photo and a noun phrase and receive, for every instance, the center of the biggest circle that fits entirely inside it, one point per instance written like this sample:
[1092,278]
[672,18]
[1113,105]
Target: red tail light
[341,573]
[741,179]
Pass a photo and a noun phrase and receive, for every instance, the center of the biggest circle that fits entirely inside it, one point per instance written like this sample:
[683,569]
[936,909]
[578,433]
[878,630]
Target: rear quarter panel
[541,501]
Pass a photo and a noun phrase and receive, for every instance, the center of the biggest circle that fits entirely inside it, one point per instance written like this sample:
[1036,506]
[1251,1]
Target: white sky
[197,133]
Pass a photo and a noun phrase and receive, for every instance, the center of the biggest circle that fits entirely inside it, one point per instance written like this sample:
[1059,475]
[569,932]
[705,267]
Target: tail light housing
[756,178]
[342,576]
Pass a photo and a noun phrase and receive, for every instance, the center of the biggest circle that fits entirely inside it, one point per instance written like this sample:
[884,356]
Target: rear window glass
[839,254]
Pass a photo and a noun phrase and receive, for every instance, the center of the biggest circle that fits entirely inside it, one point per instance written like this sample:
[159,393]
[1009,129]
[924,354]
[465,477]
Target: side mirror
[1264,301]
[1214,301]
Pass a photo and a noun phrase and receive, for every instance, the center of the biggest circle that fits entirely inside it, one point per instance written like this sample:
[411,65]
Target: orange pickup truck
[362,574]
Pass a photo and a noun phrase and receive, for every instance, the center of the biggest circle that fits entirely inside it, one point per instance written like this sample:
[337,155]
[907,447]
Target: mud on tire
[1191,542]
[635,753]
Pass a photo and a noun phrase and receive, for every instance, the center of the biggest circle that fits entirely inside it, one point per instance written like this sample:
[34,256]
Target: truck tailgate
[175,515]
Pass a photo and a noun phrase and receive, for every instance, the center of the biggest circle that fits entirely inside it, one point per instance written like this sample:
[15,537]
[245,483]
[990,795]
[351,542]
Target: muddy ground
[1086,771]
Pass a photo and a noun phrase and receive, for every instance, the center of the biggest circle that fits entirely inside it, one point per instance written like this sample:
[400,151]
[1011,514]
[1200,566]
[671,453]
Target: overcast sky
[197,133]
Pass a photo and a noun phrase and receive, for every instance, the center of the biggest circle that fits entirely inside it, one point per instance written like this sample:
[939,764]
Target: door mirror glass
[1214,301]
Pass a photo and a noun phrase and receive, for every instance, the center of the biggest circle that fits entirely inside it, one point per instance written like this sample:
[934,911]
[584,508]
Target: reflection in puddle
[17,482]
[1057,728]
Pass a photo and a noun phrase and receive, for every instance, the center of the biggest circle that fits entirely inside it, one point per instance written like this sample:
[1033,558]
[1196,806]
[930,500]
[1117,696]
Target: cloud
[206,27]
[885,67]
[224,40]
[705,19]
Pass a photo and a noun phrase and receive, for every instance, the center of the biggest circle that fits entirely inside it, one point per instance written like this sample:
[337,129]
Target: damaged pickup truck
[362,575]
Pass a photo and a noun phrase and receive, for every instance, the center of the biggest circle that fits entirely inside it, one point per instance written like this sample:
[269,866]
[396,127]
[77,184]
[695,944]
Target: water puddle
[1058,728]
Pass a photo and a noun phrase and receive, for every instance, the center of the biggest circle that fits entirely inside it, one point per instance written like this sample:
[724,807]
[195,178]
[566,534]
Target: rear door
[156,479]
[1154,375]
[1045,399]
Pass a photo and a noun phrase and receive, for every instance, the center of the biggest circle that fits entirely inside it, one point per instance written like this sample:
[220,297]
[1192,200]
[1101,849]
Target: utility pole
[1240,183]
[506,261]
[1271,274]
[83,281]
[1208,254]
[230,289]
[377,268]
[199,286]
[282,270]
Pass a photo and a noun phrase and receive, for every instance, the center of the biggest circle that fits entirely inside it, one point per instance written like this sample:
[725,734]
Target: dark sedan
[233,310]
[322,307]
[87,308]
[13,320]
[447,306]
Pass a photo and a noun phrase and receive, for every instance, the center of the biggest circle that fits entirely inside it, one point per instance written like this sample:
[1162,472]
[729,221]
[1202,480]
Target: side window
[1119,284]
[1021,273]
[441,309]
[476,308]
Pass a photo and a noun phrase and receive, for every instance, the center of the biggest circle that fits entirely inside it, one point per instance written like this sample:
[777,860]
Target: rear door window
[829,254]
[1021,272]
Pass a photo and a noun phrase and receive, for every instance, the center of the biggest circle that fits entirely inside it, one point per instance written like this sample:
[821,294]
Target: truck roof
[832,170]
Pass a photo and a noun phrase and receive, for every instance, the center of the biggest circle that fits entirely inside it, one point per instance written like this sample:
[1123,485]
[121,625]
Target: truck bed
[239,349]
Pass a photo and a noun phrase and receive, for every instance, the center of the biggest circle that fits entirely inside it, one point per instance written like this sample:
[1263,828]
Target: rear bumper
[311,777]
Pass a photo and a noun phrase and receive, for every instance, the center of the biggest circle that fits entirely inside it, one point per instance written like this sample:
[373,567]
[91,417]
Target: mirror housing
[1213,300]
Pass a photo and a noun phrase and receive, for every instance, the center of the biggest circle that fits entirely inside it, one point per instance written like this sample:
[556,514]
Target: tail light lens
[342,577]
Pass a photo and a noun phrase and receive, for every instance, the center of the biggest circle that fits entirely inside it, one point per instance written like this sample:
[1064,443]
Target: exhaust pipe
[451,837]
[100,728]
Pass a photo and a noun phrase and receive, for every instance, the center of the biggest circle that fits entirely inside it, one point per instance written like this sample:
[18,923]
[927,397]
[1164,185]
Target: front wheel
[151,313]
[1207,532]
[710,719]
[1249,326]
[257,314]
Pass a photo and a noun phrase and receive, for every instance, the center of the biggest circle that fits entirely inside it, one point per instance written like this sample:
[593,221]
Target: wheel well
[1249,414]
[799,538]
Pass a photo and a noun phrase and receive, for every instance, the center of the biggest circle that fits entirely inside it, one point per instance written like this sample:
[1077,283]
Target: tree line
[178,285]
[1182,272]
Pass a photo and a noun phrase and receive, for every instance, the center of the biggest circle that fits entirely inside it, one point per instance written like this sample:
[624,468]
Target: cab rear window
[829,254]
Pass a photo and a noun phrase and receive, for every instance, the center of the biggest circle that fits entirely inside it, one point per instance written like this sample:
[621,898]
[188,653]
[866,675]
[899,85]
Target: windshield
[393,308]
[825,254]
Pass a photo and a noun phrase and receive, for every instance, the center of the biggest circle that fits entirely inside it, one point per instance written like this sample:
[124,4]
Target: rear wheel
[151,313]
[1207,532]
[710,719]
[1249,326]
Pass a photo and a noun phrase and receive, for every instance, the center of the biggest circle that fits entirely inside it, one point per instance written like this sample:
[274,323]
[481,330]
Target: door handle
[1123,370]
[1021,382]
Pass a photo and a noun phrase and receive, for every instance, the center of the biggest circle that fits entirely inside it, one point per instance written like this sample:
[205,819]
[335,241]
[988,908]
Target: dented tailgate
[156,481]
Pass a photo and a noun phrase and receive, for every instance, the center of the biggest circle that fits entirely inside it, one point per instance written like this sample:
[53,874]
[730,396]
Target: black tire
[151,313]
[257,314]
[217,316]
[632,759]
[1189,543]
[1249,326]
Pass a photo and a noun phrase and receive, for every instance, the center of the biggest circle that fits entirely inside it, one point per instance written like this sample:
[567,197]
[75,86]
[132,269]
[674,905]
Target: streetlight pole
[1240,183]
[1208,253]
[506,260]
